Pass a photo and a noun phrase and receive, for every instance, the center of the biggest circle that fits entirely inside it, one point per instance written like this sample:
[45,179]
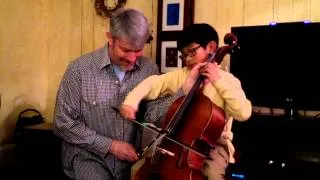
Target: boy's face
[194,53]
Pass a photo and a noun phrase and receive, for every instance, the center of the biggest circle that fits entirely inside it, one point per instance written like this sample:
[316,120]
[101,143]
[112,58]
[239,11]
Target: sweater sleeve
[236,103]
[157,109]
[154,87]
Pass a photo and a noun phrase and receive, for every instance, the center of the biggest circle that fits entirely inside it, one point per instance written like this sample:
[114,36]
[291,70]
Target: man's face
[123,54]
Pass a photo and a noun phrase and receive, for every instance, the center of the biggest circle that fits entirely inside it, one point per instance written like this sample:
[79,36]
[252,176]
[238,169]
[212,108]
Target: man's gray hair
[131,26]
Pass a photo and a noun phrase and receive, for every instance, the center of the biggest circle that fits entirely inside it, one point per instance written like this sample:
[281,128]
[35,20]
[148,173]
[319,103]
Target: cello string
[172,140]
[186,101]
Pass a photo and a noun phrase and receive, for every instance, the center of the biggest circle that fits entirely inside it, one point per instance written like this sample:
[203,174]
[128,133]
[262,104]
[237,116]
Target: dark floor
[34,155]
[268,148]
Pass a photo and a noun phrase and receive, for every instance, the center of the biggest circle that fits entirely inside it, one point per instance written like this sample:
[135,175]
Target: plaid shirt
[85,117]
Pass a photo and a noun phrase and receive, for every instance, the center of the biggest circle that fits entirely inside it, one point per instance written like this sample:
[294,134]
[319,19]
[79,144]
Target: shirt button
[94,103]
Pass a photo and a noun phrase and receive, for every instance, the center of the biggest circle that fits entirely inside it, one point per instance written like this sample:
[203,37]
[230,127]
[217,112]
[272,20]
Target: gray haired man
[97,143]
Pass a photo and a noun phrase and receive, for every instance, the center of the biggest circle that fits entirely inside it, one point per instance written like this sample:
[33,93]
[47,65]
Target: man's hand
[123,151]
[215,167]
[128,112]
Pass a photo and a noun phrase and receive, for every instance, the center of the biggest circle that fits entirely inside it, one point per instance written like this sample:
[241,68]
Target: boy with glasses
[196,43]
[190,52]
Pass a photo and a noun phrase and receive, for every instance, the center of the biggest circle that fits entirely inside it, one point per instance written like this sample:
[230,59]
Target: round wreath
[102,9]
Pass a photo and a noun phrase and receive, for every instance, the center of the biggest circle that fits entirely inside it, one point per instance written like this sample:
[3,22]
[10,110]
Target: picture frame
[170,54]
[173,16]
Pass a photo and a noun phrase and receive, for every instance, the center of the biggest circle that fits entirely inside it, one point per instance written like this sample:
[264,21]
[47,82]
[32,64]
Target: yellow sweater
[226,93]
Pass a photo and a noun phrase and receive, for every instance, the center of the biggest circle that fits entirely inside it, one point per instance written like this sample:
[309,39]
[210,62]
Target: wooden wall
[38,38]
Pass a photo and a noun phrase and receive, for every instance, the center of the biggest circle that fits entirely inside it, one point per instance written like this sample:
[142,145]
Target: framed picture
[170,56]
[173,16]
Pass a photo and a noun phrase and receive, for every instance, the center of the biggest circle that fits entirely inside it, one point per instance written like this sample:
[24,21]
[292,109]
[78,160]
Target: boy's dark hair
[197,33]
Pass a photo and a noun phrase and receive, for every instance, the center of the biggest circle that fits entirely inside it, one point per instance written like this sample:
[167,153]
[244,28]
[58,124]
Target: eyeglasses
[190,52]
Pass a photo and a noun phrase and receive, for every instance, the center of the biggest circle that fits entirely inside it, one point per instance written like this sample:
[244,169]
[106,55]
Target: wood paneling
[87,26]
[101,26]
[257,12]
[315,10]
[282,11]
[23,59]
[300,10]
[38,38]
[64,34]
[206,11]
[229,13]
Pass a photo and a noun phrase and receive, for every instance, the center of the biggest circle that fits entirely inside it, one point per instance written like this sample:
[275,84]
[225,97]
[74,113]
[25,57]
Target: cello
[190,129]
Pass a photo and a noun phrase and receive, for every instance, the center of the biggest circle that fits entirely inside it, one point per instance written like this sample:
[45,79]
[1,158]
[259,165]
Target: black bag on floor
[24,120]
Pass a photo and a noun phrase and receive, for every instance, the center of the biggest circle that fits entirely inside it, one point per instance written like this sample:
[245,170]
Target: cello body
[202,125]
[198,130]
